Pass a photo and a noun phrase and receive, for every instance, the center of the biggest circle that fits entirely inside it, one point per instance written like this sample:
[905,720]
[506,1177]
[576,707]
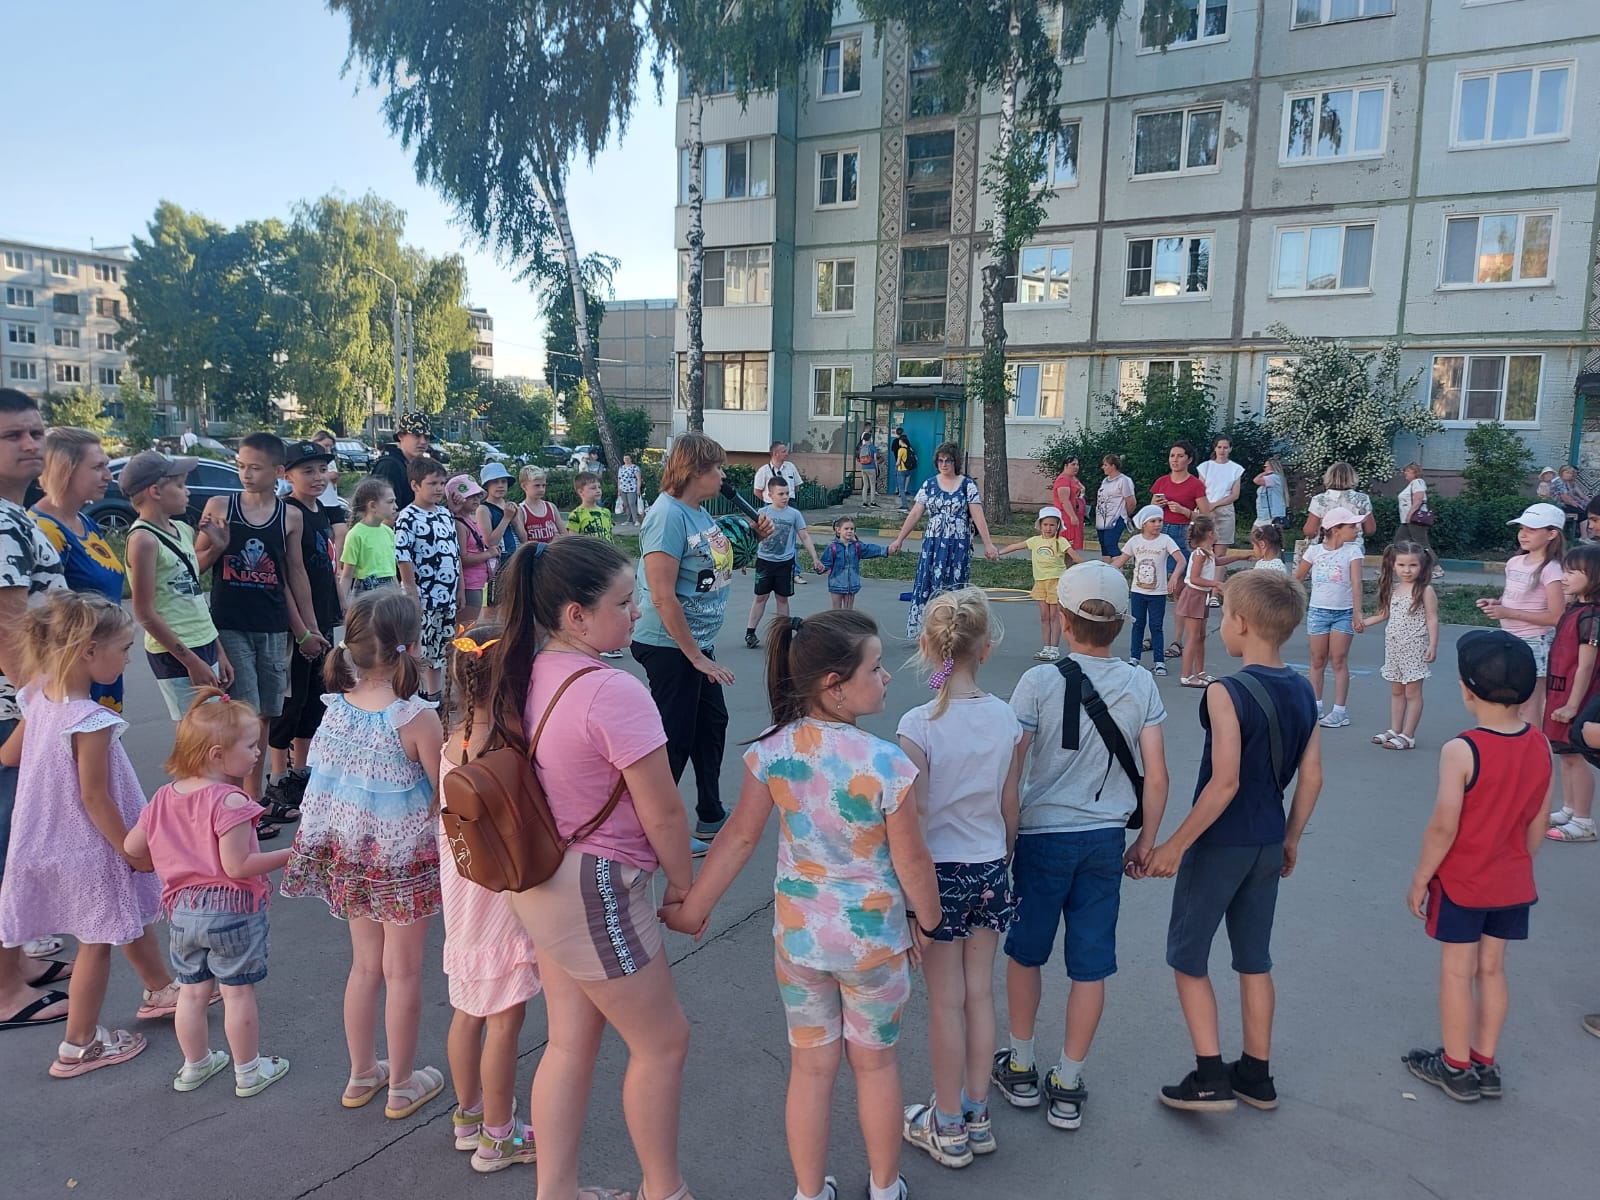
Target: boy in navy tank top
[1474,880]
[260,596]
[1236,843]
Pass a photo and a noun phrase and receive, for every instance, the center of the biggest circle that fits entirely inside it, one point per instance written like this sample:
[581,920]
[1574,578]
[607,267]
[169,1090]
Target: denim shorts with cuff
[207,944]
[1076,877]
[1330,620]
[1236,884]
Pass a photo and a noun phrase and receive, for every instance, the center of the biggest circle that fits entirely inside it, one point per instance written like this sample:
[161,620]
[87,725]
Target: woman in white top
[1340,482]
[1113,505]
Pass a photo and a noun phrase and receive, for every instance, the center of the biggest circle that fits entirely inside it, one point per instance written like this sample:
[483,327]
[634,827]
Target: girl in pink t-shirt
[462,494]
[1531,605]
[199,831]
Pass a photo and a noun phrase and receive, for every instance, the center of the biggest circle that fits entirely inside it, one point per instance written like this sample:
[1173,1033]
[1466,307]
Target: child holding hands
[1407,601]
[1050,554]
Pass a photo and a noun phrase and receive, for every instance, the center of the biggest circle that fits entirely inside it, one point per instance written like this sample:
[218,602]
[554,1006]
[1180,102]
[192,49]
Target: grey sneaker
[1019,1085]
[1066,1103]
[1430,1067]
[1489,1085]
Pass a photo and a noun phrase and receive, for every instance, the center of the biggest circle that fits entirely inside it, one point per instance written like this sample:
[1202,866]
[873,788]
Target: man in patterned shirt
[29,567]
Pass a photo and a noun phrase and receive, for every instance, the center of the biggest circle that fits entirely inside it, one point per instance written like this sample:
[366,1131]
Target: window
[733,171]
[930,167]
[1059,152]
[1325,12]
[483,349]
[1324,258]
[1041,275]
[1176,142]
[17,260]
[1205,21]
[828,386]
[925,93]
[1487,387]
[1066,44]
[924,277]
[105,272]
[109,376]
[1347,122]
[63,266]
[1497,249]
[107,308]
[21,369]
[69,373]
[65,302]
[1523,104]
[734,382]
[1037,390]
[19,297]
[108,341]
[836,285]
[1166,268]
[841,67]
[1136,374]
[838,178]
[1277,382]
[731,278]
[918,370]
[22,335]
[69,338]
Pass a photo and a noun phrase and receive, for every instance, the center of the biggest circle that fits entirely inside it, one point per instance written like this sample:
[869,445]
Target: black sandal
[265,832]
[282,810]
[29,1015]
[52,972]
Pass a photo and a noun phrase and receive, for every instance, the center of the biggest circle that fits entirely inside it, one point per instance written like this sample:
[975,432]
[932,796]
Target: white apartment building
[58,318]
[482,326]
[1374,170]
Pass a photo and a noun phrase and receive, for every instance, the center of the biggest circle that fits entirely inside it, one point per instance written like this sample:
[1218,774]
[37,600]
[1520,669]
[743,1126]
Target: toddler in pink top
[199,831]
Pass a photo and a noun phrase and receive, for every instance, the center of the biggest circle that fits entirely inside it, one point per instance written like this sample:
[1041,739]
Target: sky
[238,109]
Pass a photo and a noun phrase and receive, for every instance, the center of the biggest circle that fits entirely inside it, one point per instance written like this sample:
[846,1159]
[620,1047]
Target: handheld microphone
[731,493]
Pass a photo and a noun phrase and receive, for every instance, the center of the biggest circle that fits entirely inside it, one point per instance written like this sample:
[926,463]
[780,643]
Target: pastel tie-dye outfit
[840,925]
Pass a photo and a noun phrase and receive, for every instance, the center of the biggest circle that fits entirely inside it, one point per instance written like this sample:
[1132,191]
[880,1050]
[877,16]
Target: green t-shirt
[178,597]
[596,522]
[370,550]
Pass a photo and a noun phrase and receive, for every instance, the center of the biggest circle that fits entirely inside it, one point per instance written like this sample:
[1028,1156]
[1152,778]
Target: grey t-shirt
[786,526]
[1059,786]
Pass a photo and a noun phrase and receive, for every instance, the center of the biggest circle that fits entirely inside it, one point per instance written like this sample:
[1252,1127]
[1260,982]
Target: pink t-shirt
[1525,589]
[474,575]
[183,831]
[605,723]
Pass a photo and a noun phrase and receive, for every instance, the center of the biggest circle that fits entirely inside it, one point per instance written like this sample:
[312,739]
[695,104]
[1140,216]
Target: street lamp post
[395,321]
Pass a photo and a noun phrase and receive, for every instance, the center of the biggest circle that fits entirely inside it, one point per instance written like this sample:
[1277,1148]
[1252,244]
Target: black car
[352,454]
[556,456]
[209,478]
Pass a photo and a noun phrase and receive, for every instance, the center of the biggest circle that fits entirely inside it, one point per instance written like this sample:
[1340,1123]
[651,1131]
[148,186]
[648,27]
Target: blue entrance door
[924,430]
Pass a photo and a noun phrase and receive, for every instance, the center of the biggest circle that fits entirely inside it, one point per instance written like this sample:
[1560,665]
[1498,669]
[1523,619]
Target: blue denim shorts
[1111,539]
[1076,877]
[1330,620]
[1237,884]
[228,947]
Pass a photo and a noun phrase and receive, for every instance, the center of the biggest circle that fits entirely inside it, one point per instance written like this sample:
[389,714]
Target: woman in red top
[1067,491]
[541,517]
[1181,496]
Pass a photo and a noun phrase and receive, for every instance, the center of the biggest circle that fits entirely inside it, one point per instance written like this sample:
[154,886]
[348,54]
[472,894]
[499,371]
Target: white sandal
[1399,741]
[1382,739]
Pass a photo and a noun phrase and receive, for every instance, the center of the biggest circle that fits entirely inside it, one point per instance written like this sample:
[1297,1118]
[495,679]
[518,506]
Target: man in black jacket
[411,441]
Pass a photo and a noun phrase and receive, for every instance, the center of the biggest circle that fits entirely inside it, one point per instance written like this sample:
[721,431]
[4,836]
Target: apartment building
[1374,170]
[58,317]
[482,326]
[636,355]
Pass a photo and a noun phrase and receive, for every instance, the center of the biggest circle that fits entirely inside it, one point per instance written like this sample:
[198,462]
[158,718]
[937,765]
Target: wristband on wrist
[927,933]
[303,638]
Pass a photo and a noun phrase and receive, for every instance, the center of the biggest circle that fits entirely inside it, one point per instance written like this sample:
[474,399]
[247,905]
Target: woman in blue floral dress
[950,499]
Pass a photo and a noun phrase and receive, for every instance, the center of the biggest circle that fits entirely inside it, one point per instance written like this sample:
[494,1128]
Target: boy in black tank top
[323,527]
[251,544]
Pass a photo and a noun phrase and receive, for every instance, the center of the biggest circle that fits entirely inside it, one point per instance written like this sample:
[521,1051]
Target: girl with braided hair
[488,955]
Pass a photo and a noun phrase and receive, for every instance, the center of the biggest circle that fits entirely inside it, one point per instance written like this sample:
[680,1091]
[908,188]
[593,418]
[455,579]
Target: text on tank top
[249,583]
[541,529]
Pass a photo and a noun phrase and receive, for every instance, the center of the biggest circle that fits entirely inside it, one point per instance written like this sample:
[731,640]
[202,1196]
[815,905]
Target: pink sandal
[107,1050]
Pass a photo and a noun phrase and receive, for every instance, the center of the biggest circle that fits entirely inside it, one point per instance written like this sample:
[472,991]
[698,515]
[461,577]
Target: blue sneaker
[698,849]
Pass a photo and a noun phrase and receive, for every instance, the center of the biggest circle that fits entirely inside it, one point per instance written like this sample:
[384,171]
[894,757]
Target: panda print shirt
[426,538]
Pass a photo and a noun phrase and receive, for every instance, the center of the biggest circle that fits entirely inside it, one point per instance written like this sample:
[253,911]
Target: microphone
[731,494]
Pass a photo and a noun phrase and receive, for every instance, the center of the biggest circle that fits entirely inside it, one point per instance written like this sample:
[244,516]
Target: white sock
[194,1068]
[1022,1053]
[1068,1070]
[1586,822]
[249,1068]
[799,1195]
[1338,710]
[892,1192]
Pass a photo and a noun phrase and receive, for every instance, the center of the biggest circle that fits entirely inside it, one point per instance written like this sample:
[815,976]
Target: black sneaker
[1019,1085]
[751,640]
[1489,1080]
[1066,1103]
[1257,1093]
[1430,1067]
[1194,1094]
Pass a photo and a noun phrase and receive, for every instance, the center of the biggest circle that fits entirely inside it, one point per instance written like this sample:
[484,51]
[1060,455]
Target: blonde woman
[542,519]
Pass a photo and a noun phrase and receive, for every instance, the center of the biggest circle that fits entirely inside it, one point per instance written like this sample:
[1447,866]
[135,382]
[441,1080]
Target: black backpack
[911,459]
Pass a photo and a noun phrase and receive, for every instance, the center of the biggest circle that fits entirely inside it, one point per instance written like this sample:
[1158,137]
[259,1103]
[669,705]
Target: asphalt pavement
[1356,980]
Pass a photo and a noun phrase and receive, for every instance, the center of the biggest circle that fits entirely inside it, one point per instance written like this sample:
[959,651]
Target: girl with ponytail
[856,893]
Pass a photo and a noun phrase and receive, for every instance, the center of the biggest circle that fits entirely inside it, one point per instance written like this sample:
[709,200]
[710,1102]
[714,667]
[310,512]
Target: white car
[491,452]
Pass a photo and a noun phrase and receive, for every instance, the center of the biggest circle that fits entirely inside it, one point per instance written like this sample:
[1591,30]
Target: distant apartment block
[482,327]
[1367,169]
[636,356]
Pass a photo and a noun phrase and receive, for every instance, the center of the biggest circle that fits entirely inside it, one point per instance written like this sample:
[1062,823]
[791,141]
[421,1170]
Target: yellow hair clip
[467,646]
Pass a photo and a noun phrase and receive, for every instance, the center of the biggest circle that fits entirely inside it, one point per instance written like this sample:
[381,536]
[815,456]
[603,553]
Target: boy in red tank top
[1474,880]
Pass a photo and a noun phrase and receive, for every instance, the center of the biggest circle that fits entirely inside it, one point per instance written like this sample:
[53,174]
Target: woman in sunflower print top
[76,472]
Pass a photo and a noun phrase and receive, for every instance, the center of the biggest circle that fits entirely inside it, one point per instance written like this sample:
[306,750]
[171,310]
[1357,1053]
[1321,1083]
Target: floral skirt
[946,563]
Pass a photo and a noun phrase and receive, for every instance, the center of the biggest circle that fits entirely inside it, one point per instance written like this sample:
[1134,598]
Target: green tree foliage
[495,101]
[632,426]
[84,408]
[1498,461]
[138,413]
[515,418]
[563,363]
[1337,404]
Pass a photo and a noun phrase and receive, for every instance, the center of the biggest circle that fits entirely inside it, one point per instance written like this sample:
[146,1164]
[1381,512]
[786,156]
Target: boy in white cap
[1077,801]
[1150,551]
[1050,553]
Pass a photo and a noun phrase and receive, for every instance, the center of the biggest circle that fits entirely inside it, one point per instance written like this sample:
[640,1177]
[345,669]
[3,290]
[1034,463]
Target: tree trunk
[992,372]
[555,202]
[697,265]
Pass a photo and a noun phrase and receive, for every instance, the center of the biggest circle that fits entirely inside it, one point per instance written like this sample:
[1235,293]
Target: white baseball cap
[1540,516]
[1341,516]
[1093,581]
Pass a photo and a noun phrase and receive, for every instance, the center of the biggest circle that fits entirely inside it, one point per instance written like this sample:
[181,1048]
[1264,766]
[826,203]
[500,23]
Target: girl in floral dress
[949,499]
[366,844]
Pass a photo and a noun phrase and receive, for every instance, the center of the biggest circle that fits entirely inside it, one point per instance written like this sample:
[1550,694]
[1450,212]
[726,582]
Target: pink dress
[488,955]
[62,876]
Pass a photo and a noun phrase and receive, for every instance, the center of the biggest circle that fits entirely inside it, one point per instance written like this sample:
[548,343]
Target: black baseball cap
[1496,666]
[296,454]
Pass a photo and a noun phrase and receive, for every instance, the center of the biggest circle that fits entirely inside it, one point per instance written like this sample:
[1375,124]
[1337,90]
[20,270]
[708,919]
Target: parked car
[491,452]
[576,459]
[209,478]
[353,454]
[556,455]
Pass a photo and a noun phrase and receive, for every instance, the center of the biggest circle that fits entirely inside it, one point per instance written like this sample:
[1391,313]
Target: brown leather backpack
[497,821]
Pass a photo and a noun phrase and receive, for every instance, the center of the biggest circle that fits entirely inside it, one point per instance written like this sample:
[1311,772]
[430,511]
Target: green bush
[1498,461]
[560,490]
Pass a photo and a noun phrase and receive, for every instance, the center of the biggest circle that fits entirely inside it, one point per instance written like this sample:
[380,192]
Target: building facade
[1373,170]
[636,355]
[482,326]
